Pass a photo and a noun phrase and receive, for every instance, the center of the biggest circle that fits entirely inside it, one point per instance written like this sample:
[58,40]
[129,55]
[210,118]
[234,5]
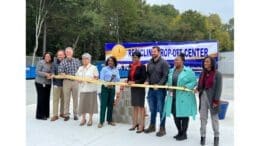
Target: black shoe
[76,118]
[41,118]
[133,128]
[216,141]
[177,135]
[182,137]
[140,131]
[161,132]
[150,129]
[66,118]
[202,141]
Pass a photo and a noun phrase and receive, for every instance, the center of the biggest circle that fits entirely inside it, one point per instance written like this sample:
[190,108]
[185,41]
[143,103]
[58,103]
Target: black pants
[181,123]
[43,101]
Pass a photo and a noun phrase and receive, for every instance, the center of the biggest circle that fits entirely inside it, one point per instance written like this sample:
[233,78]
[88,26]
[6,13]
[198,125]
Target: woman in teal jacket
[181,104]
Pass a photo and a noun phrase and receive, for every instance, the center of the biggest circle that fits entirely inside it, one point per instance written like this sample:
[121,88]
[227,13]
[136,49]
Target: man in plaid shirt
[69,66]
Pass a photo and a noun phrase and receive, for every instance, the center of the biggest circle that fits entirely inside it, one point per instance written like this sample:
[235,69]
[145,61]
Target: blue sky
[224,8]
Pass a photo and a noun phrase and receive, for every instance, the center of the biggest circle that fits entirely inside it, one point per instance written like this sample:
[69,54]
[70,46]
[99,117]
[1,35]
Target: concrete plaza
[60,133]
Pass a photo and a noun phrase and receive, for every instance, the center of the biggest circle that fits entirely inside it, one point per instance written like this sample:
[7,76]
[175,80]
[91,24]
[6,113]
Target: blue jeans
[156,99]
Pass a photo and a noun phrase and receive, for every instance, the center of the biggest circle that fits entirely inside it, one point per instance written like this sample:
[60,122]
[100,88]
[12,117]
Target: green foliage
[189,26]
[89,24]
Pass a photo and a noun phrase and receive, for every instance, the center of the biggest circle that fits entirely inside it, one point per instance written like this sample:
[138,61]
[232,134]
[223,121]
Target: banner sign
[194,52]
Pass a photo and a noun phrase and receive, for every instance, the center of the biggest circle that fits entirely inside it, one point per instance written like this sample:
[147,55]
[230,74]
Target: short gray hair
[69,48]
[86,55]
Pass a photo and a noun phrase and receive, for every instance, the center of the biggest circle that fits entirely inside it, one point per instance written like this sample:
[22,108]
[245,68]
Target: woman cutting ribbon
[109,73]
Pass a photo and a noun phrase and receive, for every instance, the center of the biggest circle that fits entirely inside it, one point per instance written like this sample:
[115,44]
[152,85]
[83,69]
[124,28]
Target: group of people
[179,103]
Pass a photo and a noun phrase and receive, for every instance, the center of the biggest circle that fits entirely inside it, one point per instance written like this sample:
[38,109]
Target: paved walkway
[60,133]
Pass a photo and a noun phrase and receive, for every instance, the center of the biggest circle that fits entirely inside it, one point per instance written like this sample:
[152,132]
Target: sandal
[140,131]
[112,123]
[89,123]
[100,125]
[83,122]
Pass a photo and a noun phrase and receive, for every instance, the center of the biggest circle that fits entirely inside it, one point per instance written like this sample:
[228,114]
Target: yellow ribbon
[101,82]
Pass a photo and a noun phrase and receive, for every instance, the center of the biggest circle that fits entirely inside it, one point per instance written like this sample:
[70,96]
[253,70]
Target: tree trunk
[44,37]
[84,46]
[40,18]
[75,43]
[34,51]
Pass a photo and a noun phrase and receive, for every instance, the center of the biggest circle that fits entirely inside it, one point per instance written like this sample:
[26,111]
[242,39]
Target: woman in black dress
[137,75]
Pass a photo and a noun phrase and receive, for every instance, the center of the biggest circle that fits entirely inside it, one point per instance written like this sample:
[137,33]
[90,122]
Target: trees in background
[39,10]
[87,25]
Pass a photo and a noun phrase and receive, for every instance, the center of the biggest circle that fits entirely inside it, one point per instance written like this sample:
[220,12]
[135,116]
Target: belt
[110,87]
[69,80]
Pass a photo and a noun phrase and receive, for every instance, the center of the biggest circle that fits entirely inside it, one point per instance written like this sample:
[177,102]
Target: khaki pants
[70,88]
[58,97]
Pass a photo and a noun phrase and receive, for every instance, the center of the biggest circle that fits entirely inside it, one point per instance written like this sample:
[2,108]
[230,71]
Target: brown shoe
[66,118]
[62,116]
[150,129]
[112,123]
[100,125]
[54,118]
[161,132]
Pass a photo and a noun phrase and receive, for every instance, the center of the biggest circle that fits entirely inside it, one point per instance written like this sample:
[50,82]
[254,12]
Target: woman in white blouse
[87,91]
